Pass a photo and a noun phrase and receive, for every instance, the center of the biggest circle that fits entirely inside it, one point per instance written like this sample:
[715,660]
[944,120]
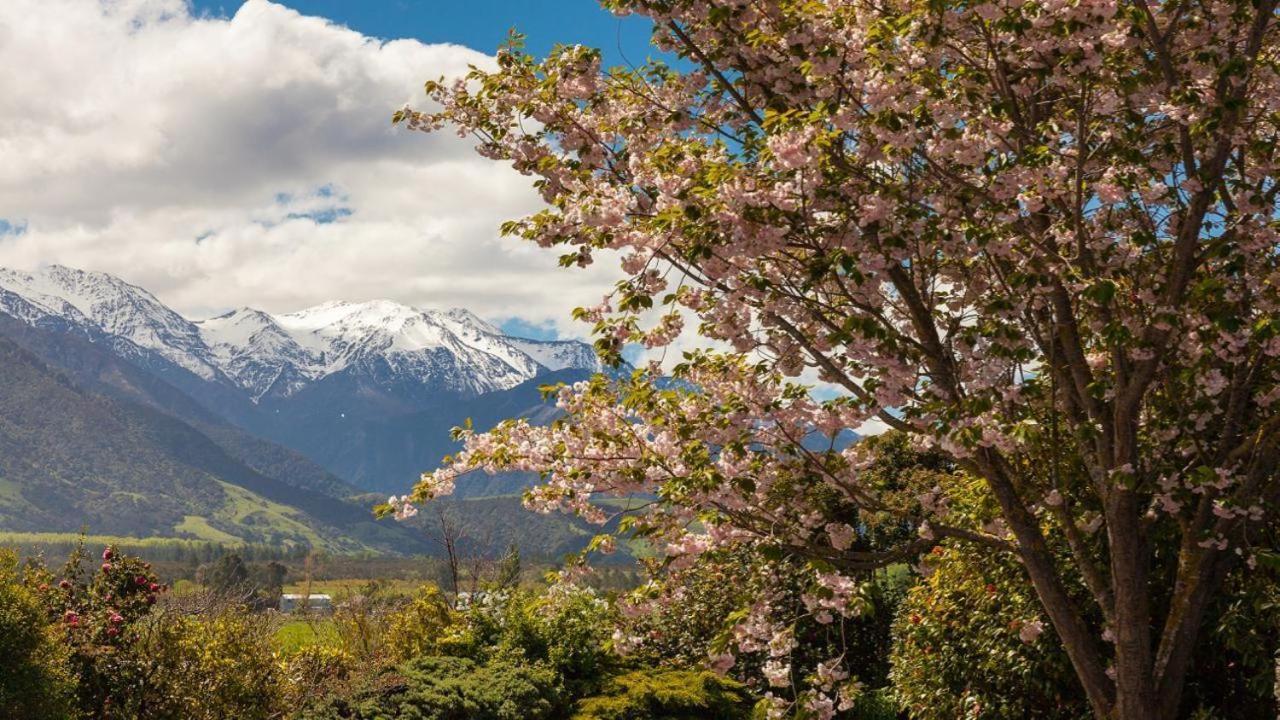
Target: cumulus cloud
[250,160]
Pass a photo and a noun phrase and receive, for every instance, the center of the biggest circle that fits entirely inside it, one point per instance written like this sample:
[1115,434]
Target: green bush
[35,681]
[314,671]
[416,628]
[959,650]
[566,629]
[231,671]
[657,694]
[451,688]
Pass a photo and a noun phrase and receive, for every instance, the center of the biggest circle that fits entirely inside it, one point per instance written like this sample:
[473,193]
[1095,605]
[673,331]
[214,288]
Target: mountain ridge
[342,397]
[277,355]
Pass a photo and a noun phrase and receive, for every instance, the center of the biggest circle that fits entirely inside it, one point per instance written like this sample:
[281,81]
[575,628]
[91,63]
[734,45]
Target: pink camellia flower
[107,554]
[106,567]
[140,580]
[153,587]
[112,632]
[116,618]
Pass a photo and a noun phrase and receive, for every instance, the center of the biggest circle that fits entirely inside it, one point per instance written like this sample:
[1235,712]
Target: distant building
[290,602]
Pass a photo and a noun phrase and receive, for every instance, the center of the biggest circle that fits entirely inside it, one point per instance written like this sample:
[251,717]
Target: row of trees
[1037,238]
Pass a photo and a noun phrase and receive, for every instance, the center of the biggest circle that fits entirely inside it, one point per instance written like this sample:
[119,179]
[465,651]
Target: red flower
[112,632]
[65,584]
[153,587]
[107,554]
[140,580]
[106,567]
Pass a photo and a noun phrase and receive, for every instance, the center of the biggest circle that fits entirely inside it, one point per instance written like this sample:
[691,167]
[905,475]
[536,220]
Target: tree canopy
[1036,237]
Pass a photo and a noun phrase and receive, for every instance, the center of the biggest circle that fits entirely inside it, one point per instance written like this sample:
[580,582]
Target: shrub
[451,688]
[35,681]
[314,671]
[960,652]
[137,660]
[655,694]
[416,628]
[567,630]
[233,673]
[98,613]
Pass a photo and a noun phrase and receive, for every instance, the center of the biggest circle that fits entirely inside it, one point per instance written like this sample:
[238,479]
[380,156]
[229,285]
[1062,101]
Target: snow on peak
[281,354]
[465,317]
[115,307]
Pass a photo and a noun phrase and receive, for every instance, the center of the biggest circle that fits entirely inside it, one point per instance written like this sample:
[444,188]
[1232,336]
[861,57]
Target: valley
[119,417]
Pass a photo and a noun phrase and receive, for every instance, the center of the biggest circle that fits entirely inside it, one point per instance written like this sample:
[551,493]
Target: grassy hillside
[72,459]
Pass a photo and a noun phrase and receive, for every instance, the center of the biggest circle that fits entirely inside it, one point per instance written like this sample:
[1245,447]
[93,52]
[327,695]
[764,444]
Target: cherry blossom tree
[1039,237]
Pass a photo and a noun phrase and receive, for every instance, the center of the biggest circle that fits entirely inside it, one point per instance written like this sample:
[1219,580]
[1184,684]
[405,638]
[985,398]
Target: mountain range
[123,416]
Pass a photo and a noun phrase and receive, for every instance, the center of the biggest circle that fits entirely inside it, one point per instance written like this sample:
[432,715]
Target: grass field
[297,634]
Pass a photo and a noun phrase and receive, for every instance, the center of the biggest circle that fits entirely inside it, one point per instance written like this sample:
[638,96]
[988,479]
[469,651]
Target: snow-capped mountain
[368,390]
[276,356]
[98,303]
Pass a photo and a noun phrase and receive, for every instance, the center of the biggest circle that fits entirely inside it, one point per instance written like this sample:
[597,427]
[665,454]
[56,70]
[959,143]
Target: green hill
[71,458]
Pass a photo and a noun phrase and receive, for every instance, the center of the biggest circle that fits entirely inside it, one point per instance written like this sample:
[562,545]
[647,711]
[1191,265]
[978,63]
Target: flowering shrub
[99,611]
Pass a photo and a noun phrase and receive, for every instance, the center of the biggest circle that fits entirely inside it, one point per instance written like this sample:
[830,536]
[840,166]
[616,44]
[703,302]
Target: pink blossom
[1030,631]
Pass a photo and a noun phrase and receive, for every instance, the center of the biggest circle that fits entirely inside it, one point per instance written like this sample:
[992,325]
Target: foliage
[133,659]
[230,670]
[969,641]
[566,630]
[36,681]
[655,694]
[313,672]
[416,628]
[99,612]
[1037,237]
[959,648]
[1238,659]
[693,615]
[451,688]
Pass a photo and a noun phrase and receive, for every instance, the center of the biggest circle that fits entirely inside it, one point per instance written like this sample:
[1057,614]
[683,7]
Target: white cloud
[251,161]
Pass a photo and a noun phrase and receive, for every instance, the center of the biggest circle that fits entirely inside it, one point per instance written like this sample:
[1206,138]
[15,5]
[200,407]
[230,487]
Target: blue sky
[479,24]
[483,25]
[241,154]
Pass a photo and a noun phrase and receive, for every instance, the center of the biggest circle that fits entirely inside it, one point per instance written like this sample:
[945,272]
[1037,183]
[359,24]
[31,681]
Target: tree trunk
[1130,570]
